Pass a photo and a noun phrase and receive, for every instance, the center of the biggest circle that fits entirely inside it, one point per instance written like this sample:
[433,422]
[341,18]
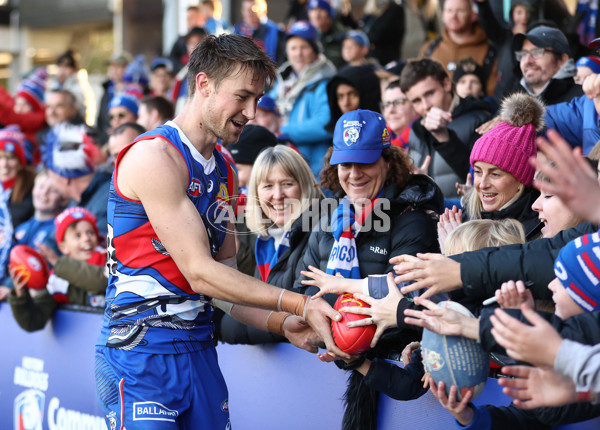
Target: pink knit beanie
[511,143]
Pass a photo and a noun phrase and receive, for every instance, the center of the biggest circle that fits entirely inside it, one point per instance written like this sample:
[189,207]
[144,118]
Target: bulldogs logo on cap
[351,132]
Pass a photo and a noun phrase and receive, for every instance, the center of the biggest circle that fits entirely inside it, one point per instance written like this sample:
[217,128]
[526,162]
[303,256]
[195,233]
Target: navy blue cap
[161,62]
[359,137]
[321,4]
[267,103]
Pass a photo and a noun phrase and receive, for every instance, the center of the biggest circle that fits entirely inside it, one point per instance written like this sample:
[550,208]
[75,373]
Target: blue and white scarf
[343,258]
[267,255]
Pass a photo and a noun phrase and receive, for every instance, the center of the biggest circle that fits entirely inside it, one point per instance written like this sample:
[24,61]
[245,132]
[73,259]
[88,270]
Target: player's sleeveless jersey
[150,306]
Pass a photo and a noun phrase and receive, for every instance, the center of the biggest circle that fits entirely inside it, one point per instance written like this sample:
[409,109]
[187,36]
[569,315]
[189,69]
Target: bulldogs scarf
[267,256]
[343,258]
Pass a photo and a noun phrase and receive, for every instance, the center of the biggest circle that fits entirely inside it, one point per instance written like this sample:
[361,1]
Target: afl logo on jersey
[195,189]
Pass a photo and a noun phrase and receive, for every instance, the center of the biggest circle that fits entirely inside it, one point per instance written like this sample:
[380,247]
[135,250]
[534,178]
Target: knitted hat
[71,152]
[32,89]
[252,141]
[70,216]
[136,72]
[267,103]
[306,31]
[511,143]
[13,140]
[321,4]
[468,66]
[359,137]
[590,61]
[578,269]
[130,99]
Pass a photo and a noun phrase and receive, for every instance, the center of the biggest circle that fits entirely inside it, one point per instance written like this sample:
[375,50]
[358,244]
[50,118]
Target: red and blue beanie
[578,269]
[590,61]
[130,99]
[70,216]
[33,89]
[13,140]
[71,151]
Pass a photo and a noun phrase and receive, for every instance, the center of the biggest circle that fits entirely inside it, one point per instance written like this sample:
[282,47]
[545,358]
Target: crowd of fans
[438,149]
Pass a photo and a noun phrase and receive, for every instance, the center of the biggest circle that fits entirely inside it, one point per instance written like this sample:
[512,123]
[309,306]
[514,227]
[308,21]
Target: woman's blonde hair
[482,233]
[293,165]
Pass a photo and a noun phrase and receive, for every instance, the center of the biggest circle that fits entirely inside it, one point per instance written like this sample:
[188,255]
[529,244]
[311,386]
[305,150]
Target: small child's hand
[48,253]
[329,284]
[511,295]
[408,350]
[19,282]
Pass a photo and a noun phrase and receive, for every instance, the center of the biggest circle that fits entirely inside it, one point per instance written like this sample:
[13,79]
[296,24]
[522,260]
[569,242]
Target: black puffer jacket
[364,79]
[282,275]
[412,229]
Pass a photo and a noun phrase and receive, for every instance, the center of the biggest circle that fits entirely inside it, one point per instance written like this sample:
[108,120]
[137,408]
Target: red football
[353,340]
[28,261]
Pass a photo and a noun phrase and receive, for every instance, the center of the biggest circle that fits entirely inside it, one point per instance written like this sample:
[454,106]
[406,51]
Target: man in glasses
[542,53]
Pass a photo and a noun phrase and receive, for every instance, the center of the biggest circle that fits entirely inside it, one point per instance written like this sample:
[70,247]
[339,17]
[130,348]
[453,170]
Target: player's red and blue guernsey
[150,306]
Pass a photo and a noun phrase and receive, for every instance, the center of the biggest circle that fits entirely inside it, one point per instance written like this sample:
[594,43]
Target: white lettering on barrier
[68,419]
[30,375]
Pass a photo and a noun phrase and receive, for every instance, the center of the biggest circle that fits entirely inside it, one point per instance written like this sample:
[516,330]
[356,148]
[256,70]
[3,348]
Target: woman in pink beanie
[502,175]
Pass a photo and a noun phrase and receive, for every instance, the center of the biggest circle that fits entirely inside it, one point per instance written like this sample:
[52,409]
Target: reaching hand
[534,387]
[424,169]
[487,126]
[382,311]
[537,344]
[319,315]
[329,284]
[300,334]
[408,350]
[438,319]
[449,220]
[459,410]
[570,177]
[437,273]
[511,295]
[463,189]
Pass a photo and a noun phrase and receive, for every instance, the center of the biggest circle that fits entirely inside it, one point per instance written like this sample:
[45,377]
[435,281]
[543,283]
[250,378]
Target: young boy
[355,48]
[77,278]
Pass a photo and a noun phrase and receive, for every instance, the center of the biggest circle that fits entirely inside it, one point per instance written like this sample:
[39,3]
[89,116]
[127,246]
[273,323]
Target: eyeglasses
[120,115]
[536,53]
[395,103]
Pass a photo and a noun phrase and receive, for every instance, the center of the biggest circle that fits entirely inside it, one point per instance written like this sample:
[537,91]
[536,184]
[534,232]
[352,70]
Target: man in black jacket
[446,131]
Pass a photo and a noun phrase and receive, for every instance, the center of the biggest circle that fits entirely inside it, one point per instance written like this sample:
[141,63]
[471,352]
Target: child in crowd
[482,233]
[355,48]
[77,278]
[574,293]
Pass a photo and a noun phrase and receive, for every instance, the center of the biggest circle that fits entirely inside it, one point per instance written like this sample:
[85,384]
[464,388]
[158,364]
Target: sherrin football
[355,340]
[32,264]
[455,360]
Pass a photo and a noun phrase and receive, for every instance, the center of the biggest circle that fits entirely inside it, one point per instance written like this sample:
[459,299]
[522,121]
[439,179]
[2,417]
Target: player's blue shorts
[171,391]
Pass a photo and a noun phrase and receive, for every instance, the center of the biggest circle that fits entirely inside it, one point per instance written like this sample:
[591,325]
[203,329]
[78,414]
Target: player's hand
[329,284]
[435,272]
[534,387]
[512,294]
[382,312]
[300,334]
[459,410]
[319,315]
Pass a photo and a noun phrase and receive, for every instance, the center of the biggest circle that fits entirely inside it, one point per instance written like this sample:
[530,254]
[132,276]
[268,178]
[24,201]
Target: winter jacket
[484,270]
[450,160]
[412,230]
[305,110]
[557,91]
[449,53]
[519,210]
[282,275]
[576,121]
[363,79]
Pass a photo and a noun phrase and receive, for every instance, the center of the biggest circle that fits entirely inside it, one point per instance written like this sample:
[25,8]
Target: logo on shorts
[112,420]
[153,411]
[225,405]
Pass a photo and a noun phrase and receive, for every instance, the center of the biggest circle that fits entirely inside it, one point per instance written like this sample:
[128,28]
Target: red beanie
[70,216]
